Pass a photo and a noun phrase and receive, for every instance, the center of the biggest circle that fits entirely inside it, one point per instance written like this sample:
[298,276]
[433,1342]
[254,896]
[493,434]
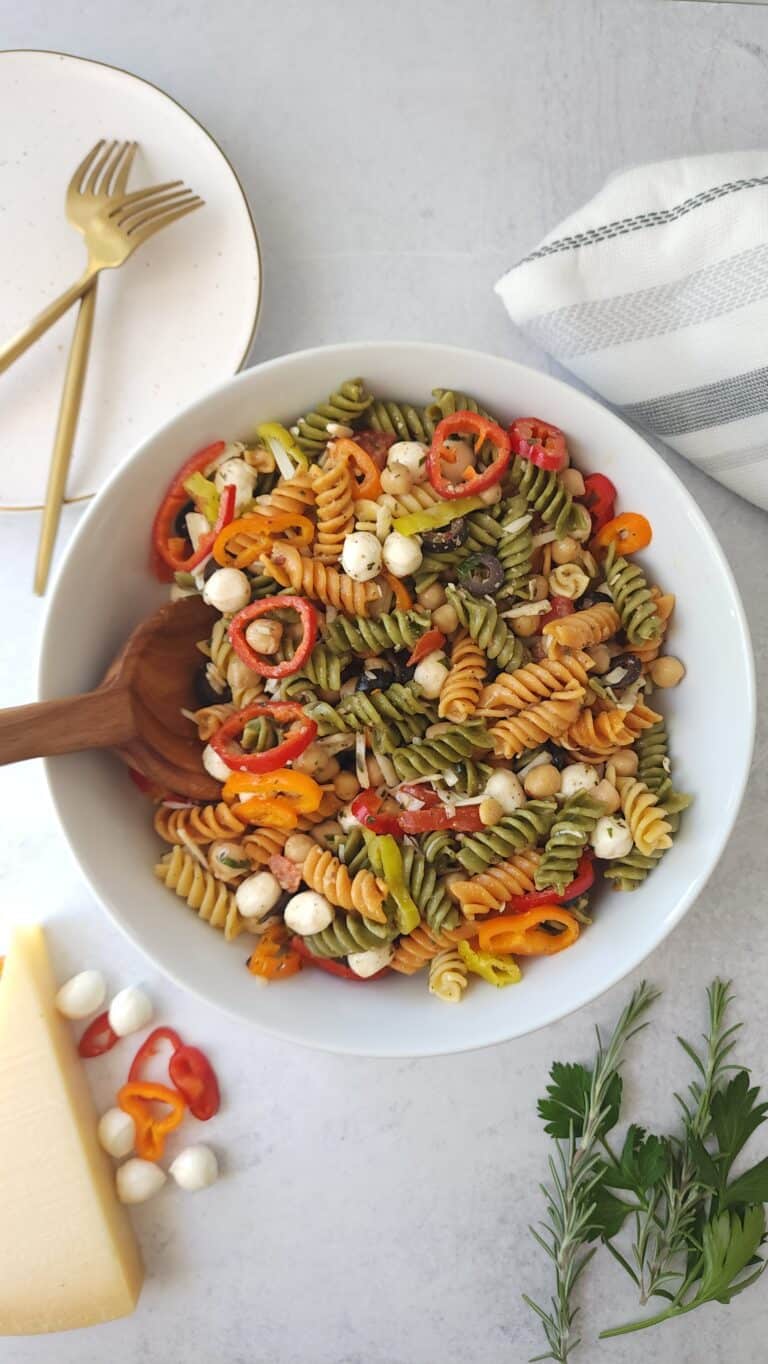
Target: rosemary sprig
[589,1105]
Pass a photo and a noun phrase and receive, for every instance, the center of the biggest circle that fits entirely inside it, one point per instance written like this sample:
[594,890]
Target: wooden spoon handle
[96,719]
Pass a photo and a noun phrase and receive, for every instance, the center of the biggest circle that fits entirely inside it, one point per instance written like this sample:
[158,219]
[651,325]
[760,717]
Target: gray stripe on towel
[694,409]
[713,291]
[734,459]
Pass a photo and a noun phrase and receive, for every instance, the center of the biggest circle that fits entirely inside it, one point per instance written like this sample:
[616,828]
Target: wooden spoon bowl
[137,710]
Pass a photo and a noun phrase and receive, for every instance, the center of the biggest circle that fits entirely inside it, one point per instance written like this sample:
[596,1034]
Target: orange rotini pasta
[461,692]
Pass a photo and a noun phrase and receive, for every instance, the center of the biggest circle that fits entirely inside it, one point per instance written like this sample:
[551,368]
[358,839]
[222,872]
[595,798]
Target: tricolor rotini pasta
[429,700]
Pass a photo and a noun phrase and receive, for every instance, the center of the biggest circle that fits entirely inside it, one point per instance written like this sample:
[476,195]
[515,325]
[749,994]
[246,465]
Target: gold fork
[112,234]
[109,165]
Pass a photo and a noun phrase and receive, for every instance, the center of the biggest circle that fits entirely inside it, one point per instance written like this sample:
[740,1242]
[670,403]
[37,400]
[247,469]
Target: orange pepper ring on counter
[521,934]
[262,526]
[151,1131]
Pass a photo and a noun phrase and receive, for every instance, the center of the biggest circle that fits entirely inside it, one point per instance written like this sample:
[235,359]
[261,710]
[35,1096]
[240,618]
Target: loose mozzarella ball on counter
[214,764]
[611,838]
[361,556]
[195,1168]
[242,475]
[228,590]
[257,895]
[82,995]
[430,674]
[116,1132]
[578,777]
[137,1180]
[308,912]
[401,554]
[504,787]
[227,860]
[366,964]
[410,455]
[130,1010]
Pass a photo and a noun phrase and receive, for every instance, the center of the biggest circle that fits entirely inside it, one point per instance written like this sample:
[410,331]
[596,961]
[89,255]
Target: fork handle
[40,324]
[69,411]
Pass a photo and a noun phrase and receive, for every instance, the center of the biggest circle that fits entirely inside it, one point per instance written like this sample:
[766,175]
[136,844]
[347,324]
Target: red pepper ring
[584,878]
[599,498]
[98,1037]
[540,442]
[334,968]
[149,1047]
[283,713]
[195,1078]
[366,808]
[239,624]
[465,820]
[468,424]
[176,497]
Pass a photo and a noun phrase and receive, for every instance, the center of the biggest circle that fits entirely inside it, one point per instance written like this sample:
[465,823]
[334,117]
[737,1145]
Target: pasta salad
[429,694]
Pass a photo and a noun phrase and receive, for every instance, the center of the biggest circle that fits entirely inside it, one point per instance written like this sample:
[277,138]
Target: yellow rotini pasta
[333,487]
[534,725]
[461,691]
[448,976]
[650,829]
[511,692]
[487,892]
[198,823]
[583,628]
[211,899]
[226,670]
[295,495]
[210,718]
[322,582]
[421,495]
[363,892]
[261,844]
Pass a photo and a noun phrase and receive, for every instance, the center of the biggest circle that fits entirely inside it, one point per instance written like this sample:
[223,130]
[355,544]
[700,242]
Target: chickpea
[525,626]
[396,479]
[445,619]
[538,587]
[565,551]
[625,763]
[667,671]
[542,781]
[346,785]
[324,833]
[490,496]
[432,597]
[317,763]
[573,482]
[490,811]
[264,636]
[601,657]
[608,796]
[375,774]
[298,847]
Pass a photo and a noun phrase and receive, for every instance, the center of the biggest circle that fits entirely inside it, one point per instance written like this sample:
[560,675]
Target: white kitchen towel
[655,294]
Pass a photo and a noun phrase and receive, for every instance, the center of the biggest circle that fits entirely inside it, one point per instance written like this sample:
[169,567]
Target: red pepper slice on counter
[98,1037]
[467,424]
[334,968]
[540,442]
[584,878]
[366,808]
[431,641]
[465,820]
[135,1099]
[239,624]
[149,1047]
[298,738]
[560,606]
[599,499]
[167,547]
[195,1079]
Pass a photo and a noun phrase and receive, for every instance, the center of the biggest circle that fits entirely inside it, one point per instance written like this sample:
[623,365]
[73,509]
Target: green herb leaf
[643,1163]
[730,1244]
[608,1215]
[736,1114]
[751,1187]
[568,1098]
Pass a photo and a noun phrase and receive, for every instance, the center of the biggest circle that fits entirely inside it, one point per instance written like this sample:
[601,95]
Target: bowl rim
[553,1012]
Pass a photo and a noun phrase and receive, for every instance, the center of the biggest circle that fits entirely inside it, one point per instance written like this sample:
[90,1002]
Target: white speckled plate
[179,317]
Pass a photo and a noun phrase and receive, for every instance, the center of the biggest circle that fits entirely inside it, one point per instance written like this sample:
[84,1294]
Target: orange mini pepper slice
[629,532]
[403,598]
[263,527]
[273,959]
[303,791]
[523,935]
[135,1099]
[370,484]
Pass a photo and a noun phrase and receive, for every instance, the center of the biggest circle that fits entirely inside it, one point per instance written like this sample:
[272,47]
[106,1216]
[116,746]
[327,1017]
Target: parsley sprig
[696,1230]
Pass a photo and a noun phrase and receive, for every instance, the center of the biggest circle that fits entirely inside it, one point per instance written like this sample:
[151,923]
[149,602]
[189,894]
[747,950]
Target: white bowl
[104,588]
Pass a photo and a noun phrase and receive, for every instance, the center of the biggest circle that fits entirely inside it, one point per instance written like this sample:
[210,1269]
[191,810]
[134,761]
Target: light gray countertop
[398,157]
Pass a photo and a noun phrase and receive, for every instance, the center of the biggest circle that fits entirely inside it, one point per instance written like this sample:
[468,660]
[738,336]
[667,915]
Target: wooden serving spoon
[136,710]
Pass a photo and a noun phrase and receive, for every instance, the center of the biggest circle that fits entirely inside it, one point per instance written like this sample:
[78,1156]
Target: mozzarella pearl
[431,675]
[411,455]
[577,777]
[361,556]
[396,480]
[130,1010]
[368,963]
[194,1168]
[116,1132]
[242,475]
[401,554]
[308,912]
[214,764]
[504,787]
[611,838]
[257,895]
[228,589]
[137,1180]
[82,995]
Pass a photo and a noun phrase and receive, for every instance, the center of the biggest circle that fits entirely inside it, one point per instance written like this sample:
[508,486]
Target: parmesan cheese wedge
[68,1256]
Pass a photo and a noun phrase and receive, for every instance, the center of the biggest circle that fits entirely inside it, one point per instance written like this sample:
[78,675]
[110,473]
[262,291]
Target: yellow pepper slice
[498,971]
